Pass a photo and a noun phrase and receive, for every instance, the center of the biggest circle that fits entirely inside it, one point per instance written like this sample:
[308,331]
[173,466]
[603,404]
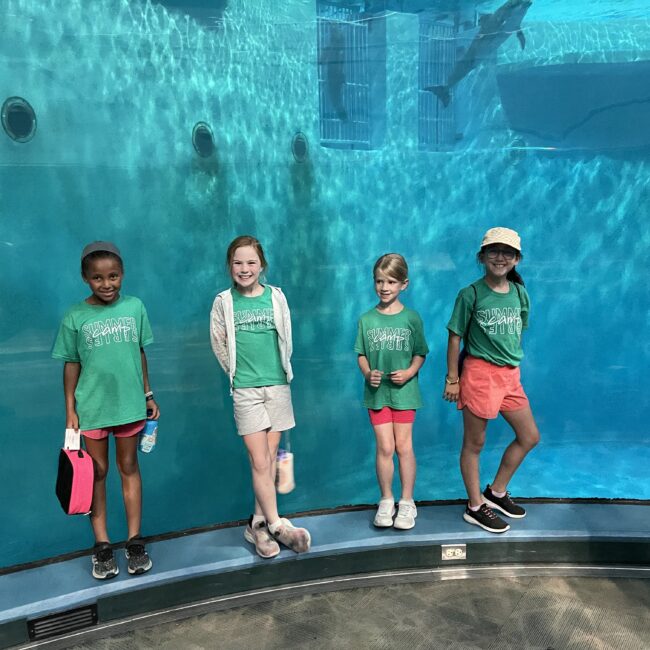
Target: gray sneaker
[259,535]
[138,558]
[104,565]
[297,539]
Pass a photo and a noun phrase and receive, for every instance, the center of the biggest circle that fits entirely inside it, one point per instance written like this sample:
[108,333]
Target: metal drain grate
[62,623]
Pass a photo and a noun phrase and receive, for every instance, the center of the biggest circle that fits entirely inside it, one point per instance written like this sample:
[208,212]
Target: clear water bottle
[284,480]
[147,437]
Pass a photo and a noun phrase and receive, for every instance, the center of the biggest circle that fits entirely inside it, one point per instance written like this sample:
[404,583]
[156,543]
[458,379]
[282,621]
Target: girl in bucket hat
[490,315]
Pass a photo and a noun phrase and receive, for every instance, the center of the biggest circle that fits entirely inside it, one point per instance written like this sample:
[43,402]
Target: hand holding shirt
[389,342]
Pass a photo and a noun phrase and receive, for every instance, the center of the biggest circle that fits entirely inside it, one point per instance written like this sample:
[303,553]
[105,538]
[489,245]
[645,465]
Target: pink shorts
[388,414]
[487,389]
[120,431]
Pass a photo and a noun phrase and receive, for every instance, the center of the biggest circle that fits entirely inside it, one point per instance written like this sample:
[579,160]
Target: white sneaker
[385,513]
[297,539]
[406,514]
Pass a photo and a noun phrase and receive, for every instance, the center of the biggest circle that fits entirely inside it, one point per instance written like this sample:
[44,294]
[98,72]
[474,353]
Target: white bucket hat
[502,236]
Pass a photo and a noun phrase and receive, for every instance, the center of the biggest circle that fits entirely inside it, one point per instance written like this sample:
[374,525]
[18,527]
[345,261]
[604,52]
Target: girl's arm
[71,372]
[453,349]
[373,377]
[151,403]
[218,335]
[287,324]
[400,377]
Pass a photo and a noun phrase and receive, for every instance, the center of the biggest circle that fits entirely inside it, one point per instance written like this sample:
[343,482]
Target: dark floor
[495,614]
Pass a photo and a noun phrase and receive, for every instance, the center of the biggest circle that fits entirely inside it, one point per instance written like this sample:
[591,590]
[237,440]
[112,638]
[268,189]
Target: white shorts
[267,408]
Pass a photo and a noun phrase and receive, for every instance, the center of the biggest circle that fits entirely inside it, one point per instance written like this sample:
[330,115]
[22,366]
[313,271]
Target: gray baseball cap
[104,246]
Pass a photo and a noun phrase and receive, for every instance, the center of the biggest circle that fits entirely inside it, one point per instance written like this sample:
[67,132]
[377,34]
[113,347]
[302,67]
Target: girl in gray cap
[106,388]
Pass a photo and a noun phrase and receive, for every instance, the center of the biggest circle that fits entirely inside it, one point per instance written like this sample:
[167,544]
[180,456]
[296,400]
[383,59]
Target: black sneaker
[486,519]
[104,565]
[137,556]
[504,504]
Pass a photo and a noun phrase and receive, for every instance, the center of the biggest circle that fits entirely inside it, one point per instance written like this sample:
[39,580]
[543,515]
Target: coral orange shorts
[120,431]
[388,414]
[487,389]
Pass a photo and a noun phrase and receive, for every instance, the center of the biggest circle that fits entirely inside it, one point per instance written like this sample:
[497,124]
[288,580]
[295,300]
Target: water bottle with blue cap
[147,437]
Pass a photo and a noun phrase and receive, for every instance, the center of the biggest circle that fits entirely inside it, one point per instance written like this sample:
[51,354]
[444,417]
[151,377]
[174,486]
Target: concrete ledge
[211,564]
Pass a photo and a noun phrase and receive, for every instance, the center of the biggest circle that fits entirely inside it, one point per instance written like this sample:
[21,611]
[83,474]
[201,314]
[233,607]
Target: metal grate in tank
[436,124]
[343,78]
[62,623]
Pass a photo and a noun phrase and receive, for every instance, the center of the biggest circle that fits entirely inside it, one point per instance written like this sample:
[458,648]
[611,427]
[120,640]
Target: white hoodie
[222,331]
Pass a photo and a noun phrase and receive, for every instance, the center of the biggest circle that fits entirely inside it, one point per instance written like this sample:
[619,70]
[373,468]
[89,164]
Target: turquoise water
[117,87]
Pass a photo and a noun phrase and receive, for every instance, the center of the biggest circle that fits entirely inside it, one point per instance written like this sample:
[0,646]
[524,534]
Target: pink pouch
[75,481]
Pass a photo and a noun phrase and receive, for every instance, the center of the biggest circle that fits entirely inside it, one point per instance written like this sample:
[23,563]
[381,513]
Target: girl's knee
[385,449]
[474,446]
[101,469]
[404,448]
[531,440]
[261,464]
[128,466]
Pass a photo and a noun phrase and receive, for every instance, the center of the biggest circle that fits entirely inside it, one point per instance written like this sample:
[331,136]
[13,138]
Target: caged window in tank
[351,76]
[437,56]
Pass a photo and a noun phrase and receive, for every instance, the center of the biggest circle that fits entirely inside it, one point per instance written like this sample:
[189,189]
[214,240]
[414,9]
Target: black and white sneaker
[137,556]
[486,519]
[503,504]
[104,565]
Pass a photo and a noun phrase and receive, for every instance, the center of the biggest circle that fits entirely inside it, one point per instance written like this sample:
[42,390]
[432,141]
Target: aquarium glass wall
[334,131]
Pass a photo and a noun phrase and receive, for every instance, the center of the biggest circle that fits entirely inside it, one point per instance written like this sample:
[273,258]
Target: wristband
[148,396]
[448,381]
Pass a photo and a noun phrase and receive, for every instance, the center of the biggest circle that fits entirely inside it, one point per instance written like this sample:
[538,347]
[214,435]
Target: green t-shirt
[389,342]
[258,353]
[491,323]
[106,341]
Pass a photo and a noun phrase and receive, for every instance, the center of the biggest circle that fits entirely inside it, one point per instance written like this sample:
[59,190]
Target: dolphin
[333,60]
[494,30]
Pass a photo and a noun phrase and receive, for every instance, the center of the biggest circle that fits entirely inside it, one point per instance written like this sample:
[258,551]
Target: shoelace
[262,531]
[488,512]
[105,555]
[136,550]
[385,508]
[405,510]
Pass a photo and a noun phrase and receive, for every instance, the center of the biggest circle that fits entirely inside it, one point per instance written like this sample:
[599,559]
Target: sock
[274,526]
[409,501]
[257,519]
[498,495]
[474,508]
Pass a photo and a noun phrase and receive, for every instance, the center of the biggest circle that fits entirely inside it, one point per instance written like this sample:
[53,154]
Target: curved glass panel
[545,130]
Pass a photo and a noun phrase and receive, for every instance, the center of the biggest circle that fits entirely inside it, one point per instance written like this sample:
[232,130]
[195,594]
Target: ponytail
[513,276]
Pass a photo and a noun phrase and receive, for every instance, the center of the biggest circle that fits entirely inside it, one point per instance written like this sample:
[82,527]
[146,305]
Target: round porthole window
[18,119]
[203,140]
[300,147]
